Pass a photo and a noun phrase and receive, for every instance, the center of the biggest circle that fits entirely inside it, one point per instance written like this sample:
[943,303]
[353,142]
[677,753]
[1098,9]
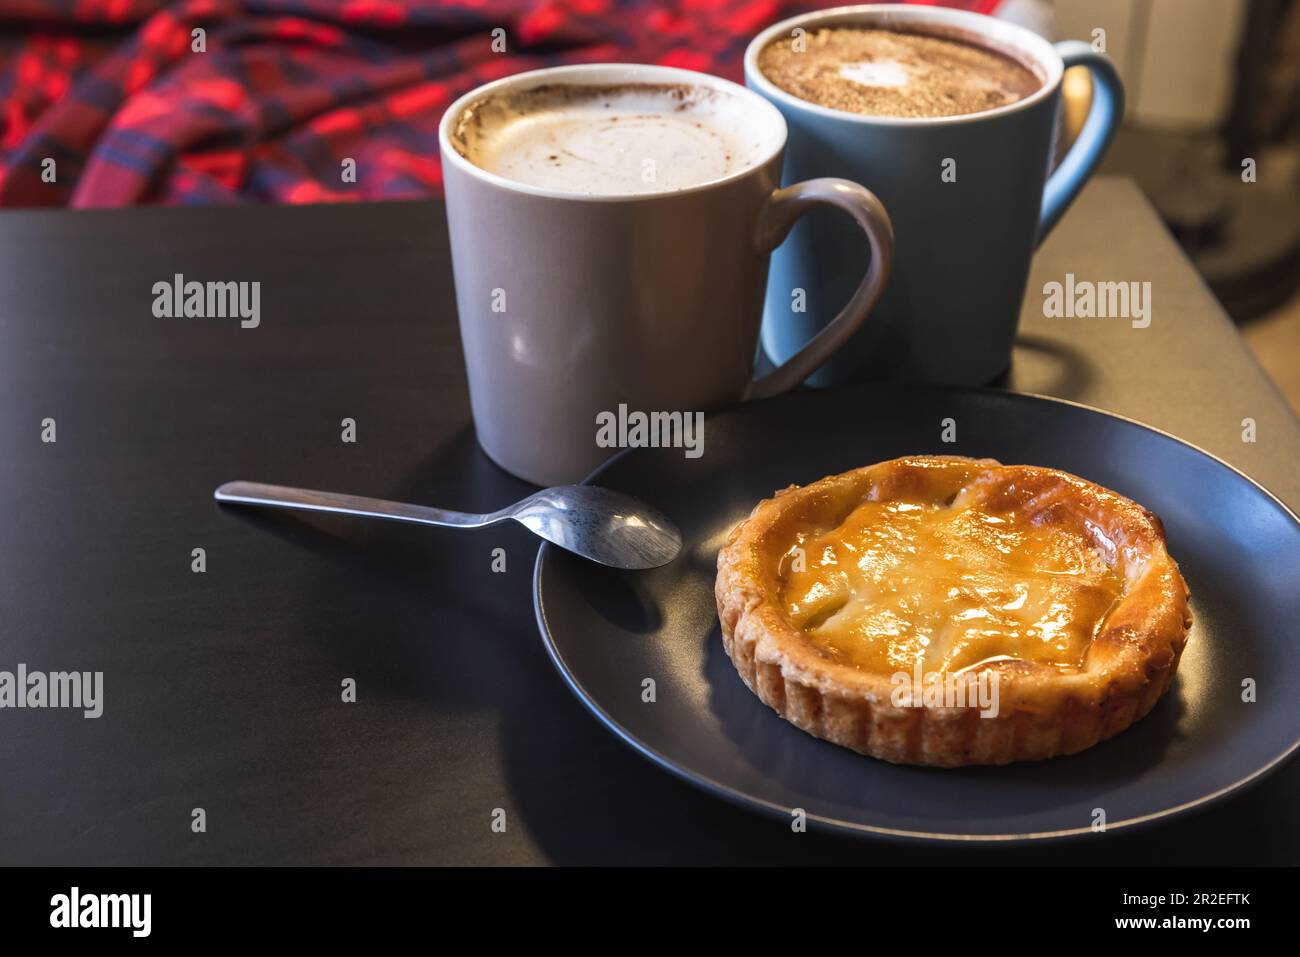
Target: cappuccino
[890,73]
[612,140]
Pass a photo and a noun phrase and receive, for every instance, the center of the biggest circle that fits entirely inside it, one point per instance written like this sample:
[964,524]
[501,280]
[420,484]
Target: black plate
[1238,547]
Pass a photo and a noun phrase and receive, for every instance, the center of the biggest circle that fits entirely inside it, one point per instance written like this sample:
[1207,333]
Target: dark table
[222,690]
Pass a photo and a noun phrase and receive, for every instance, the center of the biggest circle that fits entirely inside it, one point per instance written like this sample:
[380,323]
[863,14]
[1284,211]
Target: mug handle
[783,208]
[1104,116]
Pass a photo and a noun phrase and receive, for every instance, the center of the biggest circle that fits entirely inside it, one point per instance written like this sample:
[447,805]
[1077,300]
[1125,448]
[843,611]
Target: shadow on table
[1062,370]
[401,607]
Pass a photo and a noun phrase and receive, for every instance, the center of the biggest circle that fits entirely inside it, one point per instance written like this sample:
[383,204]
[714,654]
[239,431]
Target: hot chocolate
[890,73]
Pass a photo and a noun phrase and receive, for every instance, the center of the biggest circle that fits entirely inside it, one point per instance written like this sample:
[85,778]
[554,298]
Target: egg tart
[949,611]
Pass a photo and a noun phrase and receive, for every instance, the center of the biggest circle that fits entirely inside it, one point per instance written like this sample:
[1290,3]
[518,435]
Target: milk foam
[610,140]
[887,73]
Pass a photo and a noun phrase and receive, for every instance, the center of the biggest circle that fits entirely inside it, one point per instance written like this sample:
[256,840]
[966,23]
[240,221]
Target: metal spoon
[596,523]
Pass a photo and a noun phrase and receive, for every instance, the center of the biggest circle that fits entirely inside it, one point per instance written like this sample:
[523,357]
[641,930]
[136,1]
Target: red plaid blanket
[116,102]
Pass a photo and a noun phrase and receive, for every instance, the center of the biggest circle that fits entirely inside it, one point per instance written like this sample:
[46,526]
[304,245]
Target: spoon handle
[282,496]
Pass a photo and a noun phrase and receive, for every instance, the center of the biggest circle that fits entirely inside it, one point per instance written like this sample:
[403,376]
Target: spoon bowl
[605,526]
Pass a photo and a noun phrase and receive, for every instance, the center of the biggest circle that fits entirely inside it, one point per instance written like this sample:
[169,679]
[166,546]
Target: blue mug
[970,197]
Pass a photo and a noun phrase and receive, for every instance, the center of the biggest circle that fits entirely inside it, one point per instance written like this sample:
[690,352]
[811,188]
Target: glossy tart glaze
[1055,591]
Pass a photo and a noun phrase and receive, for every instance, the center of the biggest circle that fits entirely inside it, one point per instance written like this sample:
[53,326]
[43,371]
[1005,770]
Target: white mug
[574,306]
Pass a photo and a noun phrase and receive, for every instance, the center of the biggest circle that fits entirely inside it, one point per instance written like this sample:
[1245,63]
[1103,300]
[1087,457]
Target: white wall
[1176,56]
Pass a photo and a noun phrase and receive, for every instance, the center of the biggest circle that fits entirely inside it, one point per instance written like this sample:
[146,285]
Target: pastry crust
[1044,709]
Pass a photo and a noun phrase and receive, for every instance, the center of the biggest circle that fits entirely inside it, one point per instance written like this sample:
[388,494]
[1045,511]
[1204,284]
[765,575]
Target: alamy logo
[945,690]
[179,299]
[654,430]
[54,689]
[76,909]
[1084,299]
